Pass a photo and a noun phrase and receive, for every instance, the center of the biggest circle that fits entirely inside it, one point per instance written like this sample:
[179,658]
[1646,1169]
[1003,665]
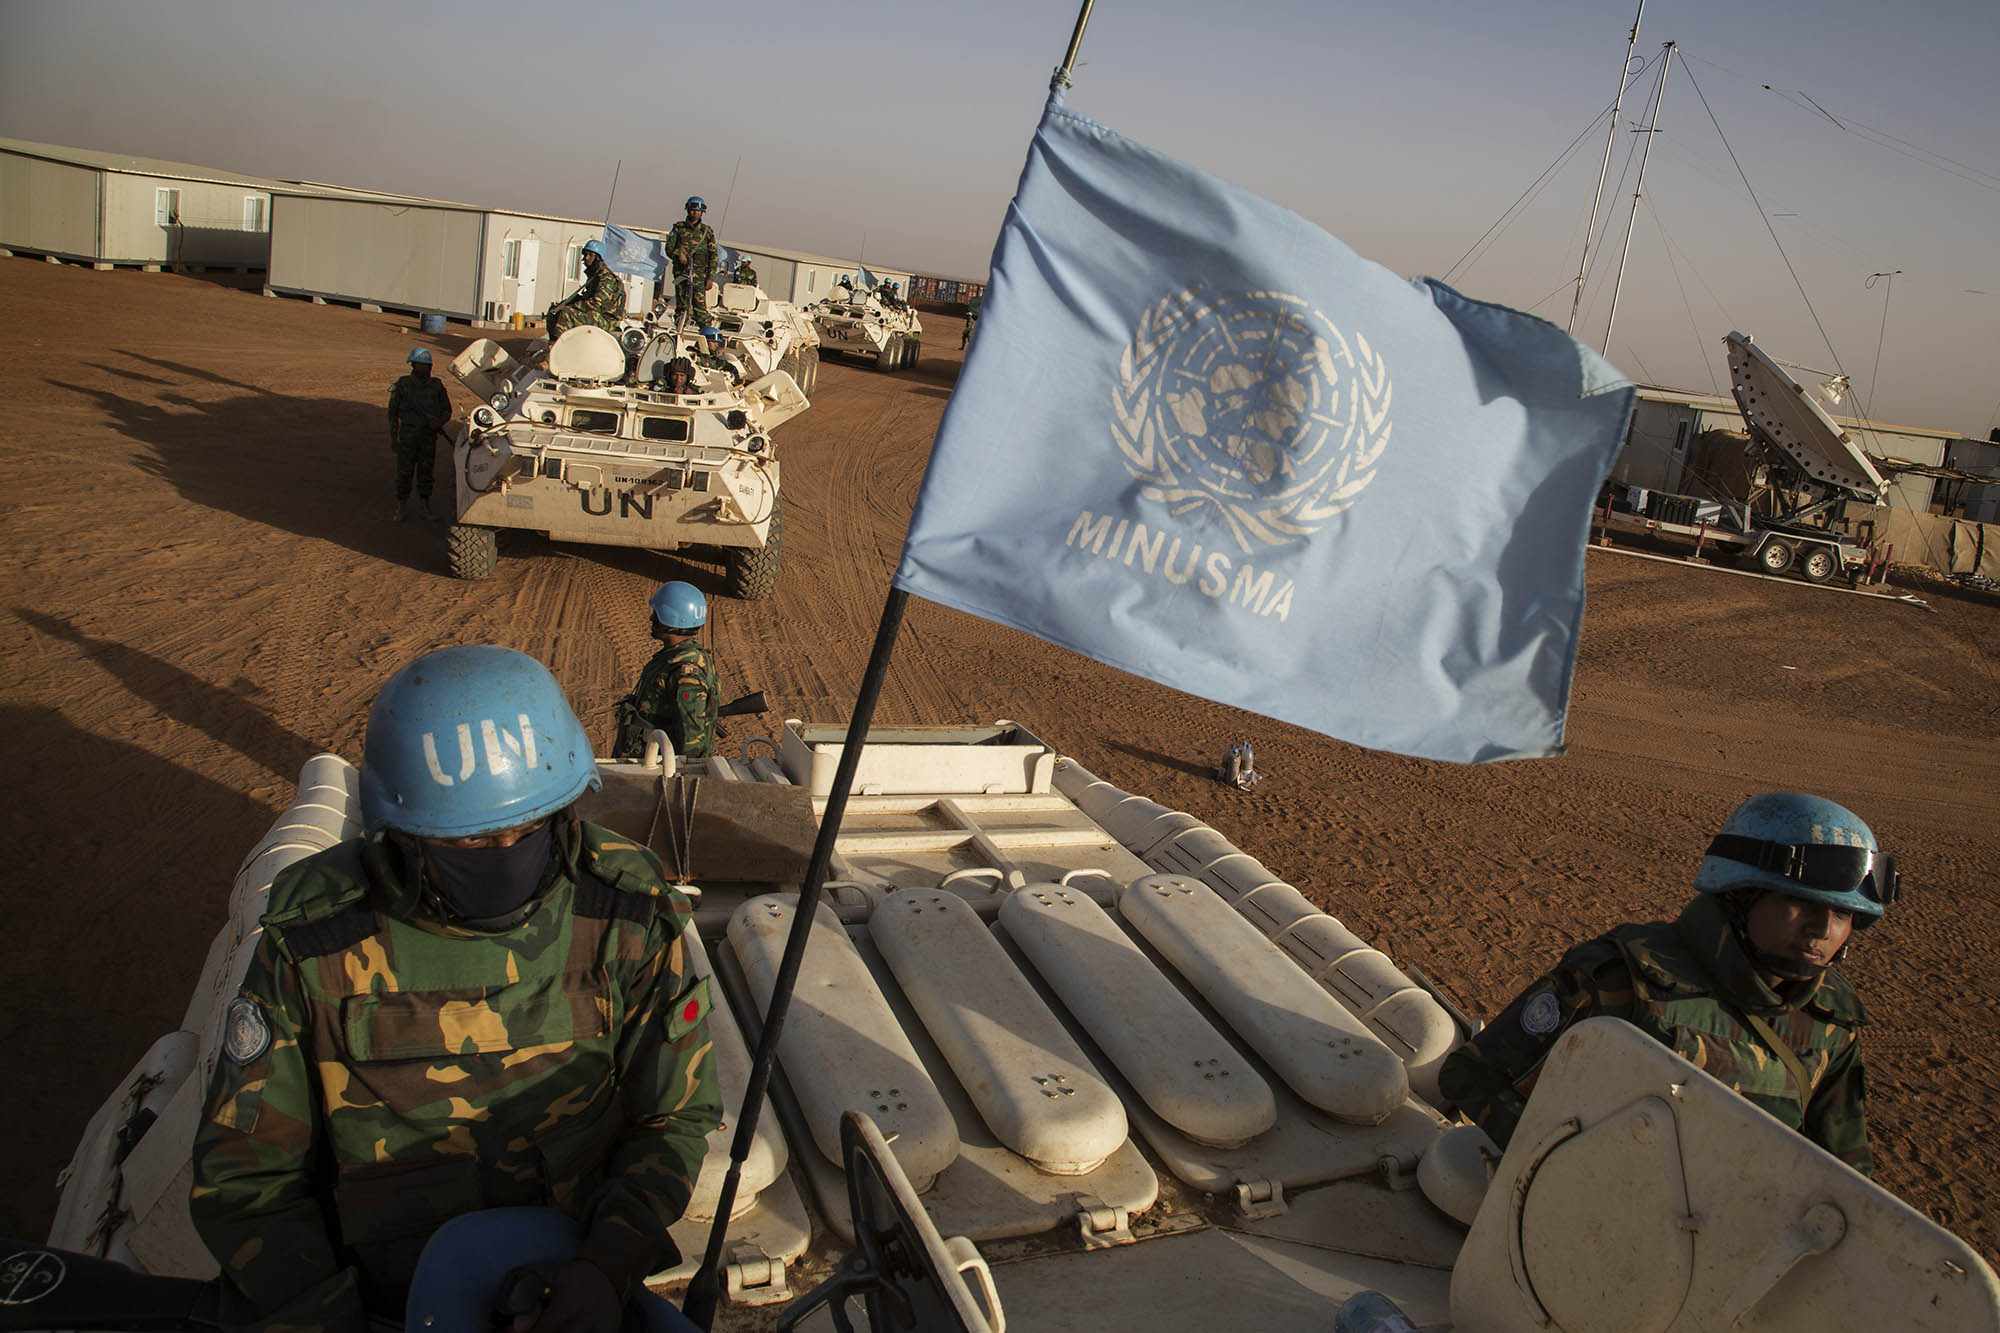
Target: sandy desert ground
[201,588]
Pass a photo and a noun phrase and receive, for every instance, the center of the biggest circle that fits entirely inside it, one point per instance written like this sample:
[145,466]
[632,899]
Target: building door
[524,284]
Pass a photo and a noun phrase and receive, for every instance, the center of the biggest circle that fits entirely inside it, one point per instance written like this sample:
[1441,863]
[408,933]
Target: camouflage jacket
[383,1072]
[1688,985]
[691,248]
[418,405]
[602,297]
[746,274]
[679,693]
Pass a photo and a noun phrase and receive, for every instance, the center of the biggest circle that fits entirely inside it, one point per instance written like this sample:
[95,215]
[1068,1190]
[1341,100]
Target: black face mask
[481,884]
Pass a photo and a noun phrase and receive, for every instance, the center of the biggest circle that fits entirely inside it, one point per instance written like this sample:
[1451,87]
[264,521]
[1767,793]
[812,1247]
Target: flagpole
[614,190]
[704,1291]
[1061,79]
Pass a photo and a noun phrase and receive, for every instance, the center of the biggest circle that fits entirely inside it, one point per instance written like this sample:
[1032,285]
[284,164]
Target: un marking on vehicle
[629,503]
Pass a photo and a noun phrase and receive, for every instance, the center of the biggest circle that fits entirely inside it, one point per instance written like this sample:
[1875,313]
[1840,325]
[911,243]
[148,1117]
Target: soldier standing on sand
[418,409]
[1741,984]
[678,692]
[691,249]
[483,1001]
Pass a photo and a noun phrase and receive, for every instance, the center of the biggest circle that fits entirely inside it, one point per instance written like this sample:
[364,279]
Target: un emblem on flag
[1254,406]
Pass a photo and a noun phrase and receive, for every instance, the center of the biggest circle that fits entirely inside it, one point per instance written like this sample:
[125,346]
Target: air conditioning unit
[499,312]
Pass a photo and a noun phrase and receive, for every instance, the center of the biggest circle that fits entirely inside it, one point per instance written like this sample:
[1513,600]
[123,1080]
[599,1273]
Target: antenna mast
[1638,188]
[1610,137]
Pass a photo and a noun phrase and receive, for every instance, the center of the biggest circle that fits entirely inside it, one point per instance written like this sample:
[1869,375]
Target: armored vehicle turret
[873,324]
[601,446]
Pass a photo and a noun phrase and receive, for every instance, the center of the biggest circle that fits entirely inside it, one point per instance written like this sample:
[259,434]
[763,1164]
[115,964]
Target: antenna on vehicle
[723,221]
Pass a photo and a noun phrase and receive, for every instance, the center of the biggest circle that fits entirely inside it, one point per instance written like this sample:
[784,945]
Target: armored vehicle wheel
[473,551]
[752,575]
[891,354]
[812,369]
[1818,565]
[793,364]
[1775,556]
[916,352]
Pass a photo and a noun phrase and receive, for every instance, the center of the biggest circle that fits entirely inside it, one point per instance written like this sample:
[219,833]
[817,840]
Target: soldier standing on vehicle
[418,410]
[745,272]
[481,1001]
[691,248]
[600,301]
[1741,984]
[678,691]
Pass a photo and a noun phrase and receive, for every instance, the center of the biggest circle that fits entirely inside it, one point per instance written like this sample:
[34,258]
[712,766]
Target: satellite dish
[1780,411]
[587,352]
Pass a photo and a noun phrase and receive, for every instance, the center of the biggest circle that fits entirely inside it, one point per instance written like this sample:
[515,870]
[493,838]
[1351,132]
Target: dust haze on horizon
[896,132]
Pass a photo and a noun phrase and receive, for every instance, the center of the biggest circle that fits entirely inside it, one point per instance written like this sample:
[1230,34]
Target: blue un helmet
[471,740]
[696,201]
[1803,847]
[679,606]
[420,356]
[593,246]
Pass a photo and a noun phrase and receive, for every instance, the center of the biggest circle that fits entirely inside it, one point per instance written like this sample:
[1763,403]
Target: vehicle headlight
[484,417]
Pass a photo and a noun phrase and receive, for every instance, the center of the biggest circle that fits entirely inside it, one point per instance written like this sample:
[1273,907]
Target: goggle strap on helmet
[1824,866]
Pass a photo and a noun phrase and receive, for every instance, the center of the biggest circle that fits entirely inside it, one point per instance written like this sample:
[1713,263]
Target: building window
[573,262]
[166,207]
[812,279]
[253,212]
[510,258]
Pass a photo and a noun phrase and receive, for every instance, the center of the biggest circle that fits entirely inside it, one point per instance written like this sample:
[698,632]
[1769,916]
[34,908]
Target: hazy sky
[1406,129]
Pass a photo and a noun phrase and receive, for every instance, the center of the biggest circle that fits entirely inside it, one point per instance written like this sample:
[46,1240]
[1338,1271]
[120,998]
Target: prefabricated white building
[84,206]
[429,256]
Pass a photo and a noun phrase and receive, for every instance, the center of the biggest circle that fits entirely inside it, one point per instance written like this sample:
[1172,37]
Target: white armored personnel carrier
[871,325]
[593,448]
[1134,1076]
[767,334]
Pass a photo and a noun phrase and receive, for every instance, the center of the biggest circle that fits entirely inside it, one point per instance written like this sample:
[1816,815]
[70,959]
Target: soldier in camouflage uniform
[600,301]
[710,355]
[482,1002]
[1741,985]
[691,249]
[678,692]
[745,272]
[418,410]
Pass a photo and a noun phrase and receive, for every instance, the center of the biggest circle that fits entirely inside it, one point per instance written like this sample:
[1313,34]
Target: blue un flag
[1203,441]
[863,279]
[639,256]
